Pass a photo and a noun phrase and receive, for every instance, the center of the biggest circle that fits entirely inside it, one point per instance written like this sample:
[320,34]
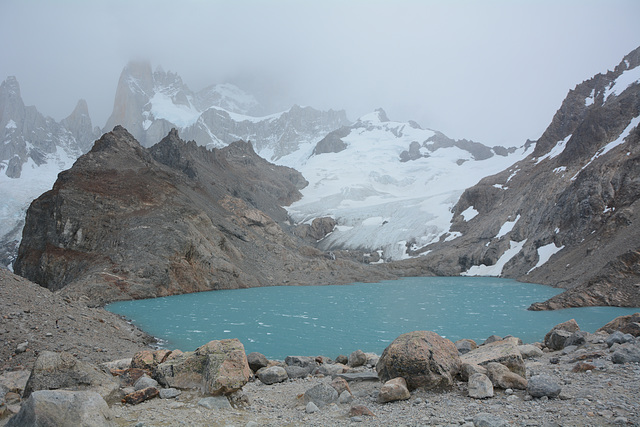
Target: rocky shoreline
[570,378]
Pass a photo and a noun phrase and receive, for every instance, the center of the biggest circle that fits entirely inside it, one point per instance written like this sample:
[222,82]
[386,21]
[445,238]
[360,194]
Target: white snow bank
[545,253]
[625,79]
[496,269]
[507,227]
[469,213]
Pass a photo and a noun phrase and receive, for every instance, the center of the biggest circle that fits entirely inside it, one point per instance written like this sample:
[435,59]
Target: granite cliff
[130,222]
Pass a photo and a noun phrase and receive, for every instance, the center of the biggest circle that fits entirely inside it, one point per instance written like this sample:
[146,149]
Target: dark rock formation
[128,222]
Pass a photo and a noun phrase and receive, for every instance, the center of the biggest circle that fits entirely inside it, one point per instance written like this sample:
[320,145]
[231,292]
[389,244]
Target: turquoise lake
[280,321]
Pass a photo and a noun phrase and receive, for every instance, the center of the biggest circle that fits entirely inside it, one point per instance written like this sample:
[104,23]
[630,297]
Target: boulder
[272,375]
[492,338]
[63,408]
[342,359]
[626,353]
[53,371]
[393,390]
[302,361]
[543,385]
[569,326]
[465,345]
[577,339]
[144,382]
[214,402]
[422,358]
[504,352]
[480,386]
[468,369]
[15,381]
[529,351]
[629,324]
[297,371]
[256,361]
[502,377]
[321,394]
[618,337]
[169,393]
[149,359]
[357,358]
[218,367]
[372,359]
[331,370]
[311,408]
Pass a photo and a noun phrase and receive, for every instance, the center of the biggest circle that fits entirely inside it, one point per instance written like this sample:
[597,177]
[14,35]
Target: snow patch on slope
[545,253]
[496,269]
[627,78]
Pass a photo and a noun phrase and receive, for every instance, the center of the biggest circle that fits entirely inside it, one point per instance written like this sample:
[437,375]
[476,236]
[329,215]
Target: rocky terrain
[567,215]
[130,222]
[569,378]
[150,103]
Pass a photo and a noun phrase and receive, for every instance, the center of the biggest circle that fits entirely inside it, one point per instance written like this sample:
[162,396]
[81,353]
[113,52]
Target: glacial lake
[280,321]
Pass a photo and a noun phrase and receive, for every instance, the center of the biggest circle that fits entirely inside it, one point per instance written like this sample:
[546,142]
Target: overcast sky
[491,71]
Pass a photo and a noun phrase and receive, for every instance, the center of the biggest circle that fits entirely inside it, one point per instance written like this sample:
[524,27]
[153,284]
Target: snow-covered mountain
[33,151]
[390,186]
[149,104]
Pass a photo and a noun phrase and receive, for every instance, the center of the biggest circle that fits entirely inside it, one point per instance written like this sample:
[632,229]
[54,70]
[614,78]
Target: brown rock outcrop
[423,358]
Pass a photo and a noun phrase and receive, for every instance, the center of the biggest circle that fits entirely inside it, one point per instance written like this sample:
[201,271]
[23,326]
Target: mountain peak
[10,86]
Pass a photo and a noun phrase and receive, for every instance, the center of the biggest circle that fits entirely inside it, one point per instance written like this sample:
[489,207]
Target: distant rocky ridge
[129,222]
[150,103]
[33,149]
[568,215]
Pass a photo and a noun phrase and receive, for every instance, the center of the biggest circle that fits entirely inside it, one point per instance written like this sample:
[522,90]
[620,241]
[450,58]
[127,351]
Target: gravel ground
[607,395]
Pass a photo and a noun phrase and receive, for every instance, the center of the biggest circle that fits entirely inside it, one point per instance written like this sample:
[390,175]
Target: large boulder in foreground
[53,371]
[555,339]
[505,352]
[423,358]
[218,367]
[63,408]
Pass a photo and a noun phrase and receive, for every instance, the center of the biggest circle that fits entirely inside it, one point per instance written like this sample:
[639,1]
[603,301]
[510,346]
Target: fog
[491,71]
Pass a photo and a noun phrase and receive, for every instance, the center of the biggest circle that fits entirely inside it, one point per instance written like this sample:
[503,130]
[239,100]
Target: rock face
[40,144]
[128,222]
[63,408]
[422,358]
[218,367]
[53,371]
[149,103]
[567,215]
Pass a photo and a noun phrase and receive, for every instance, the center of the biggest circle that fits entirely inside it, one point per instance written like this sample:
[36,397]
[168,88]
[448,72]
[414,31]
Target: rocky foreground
[92,368]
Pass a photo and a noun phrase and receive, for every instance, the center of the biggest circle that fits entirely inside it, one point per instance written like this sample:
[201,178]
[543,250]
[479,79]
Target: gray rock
[626,353]
[543,385]
[345,397]
[484,419]
[502,377]
[22,347]
[321,395]
[169,393]
[144,382]
[304,361]
[311,408]
[297,371]
[492,338]
[331,369]
[529,351]
[63,408]
[357,358]
[480,386]
[465,345]
[556,340]
[618,337]
[372,359]
[272,375]
[505,352]
[359,376]
[577,338]
[257,360]
[342,359]
[53,371]
[215,402]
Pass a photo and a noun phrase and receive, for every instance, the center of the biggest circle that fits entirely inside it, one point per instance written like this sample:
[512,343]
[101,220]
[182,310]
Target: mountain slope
[390,186]
[33,151]
[568,215]
[149,104]
[129,222]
